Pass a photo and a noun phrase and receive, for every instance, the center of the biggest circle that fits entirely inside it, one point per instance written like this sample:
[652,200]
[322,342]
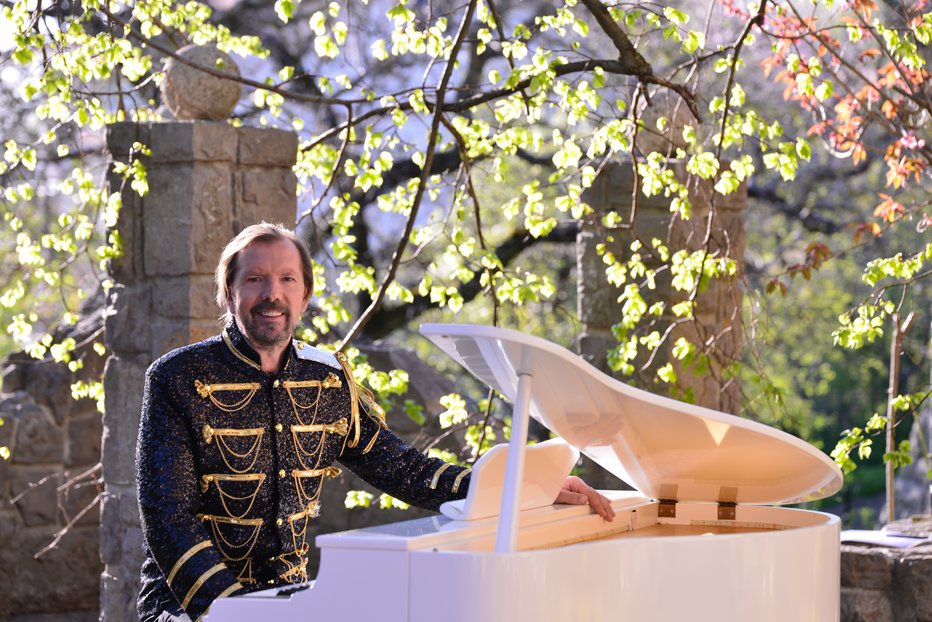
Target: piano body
[699,540]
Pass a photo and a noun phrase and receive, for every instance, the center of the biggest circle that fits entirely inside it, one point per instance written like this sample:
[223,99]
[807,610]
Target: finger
[572,498]
[603,506]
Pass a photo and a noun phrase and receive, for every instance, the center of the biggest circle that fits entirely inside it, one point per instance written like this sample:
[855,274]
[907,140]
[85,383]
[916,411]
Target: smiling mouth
[269,312]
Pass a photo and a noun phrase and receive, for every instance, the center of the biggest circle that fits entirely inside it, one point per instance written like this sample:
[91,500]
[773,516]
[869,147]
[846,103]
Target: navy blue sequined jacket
[231,460]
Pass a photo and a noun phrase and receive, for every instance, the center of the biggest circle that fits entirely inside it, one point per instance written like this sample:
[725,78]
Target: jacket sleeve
[166,482]
[385,461]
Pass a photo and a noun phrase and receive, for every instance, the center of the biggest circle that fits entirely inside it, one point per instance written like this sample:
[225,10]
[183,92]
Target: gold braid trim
[233,588]
[372,441]
[200,546]
[354,399]
[201,581]
[436,479]
[375,411]
[238,354]
[459,479]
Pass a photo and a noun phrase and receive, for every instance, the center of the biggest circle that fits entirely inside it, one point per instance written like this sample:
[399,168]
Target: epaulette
[310,353]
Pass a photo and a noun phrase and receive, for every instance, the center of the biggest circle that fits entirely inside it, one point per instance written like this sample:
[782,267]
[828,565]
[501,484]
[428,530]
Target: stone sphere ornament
[193,94]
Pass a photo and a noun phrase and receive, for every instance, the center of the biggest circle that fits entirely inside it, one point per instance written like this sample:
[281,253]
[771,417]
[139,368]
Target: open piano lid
[664,448]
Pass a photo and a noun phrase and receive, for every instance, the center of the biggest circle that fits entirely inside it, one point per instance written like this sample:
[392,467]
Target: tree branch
[425,177]
[390,319]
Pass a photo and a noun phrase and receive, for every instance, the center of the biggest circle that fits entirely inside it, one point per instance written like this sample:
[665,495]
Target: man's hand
[577,492]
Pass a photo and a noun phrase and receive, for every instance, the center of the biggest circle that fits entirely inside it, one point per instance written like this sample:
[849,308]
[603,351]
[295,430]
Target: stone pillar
[718,310]
[207,181]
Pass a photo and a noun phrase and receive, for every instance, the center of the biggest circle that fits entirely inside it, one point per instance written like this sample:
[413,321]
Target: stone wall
[54,440]
[881,584]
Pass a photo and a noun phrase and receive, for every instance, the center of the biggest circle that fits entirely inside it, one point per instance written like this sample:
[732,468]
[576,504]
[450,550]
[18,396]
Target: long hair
[264,232]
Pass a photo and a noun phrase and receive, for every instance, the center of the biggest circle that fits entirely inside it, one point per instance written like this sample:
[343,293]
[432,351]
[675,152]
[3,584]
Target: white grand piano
[697,541]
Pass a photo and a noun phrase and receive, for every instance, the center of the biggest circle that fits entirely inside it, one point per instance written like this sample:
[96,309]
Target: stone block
[186,142]
[80,502]
[111,530]
[167,220]
[196,201]
[264,195]
[83,440]
[267,147]
[128,512]
[202,329]
[914,575]
[185,297]
[866,567]
[598,306]
[121,136]
[34,489]
[7,434]
[127,319]
[49,385]
[8,532]
[128,267]
[38,438]
[123,382]
[211,219]
[133,553]
[861,605]
[118,596]
[168,335]
[13,377]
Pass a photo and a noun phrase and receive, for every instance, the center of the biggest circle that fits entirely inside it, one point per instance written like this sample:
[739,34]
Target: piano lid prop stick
[507,537]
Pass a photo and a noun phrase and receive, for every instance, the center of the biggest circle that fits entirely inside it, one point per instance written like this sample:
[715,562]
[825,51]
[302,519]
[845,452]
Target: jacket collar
[240,348]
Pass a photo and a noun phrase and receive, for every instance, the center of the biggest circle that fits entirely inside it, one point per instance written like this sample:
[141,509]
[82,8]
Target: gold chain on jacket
[248,543]
[299,533]
[223,444]
[296,571]
[332,381]
[208,390]
[311,502]
[245,574]
[217,478]
[339,427]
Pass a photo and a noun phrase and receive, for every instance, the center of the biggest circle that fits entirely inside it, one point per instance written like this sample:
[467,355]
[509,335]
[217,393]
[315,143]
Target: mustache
[263,307]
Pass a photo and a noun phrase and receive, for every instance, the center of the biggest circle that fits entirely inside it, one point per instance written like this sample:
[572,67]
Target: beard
[267,335]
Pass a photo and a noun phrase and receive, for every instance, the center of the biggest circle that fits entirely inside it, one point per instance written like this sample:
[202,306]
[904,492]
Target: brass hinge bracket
[666,508]
[726,510]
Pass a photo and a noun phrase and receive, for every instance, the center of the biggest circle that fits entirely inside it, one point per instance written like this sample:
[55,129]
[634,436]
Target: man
[239,433]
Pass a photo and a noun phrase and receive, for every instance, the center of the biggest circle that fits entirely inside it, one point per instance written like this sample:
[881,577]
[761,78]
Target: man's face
[268,295]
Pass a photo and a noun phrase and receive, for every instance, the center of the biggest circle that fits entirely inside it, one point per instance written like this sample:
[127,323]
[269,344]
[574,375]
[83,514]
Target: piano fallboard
[766,564]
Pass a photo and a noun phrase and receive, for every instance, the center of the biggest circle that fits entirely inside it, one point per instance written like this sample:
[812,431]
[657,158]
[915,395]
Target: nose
[271,290]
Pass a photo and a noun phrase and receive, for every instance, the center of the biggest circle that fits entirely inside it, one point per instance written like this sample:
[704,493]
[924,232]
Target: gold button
[281,472]
[279,522]
[279,427]
[275,383]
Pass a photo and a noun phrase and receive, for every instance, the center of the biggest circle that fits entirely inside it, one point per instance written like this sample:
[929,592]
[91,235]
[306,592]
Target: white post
[507,538]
